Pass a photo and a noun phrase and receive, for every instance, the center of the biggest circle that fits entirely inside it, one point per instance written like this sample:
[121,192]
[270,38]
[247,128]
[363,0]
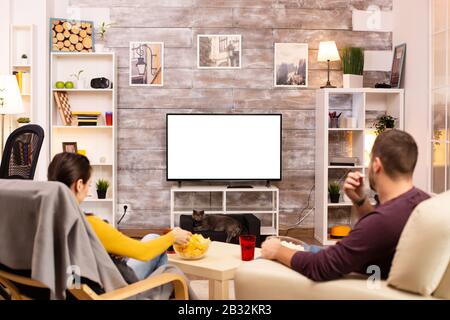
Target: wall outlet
[121,207]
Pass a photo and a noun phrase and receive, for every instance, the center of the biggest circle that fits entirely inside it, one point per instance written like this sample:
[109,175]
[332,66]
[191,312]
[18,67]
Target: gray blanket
[42,229]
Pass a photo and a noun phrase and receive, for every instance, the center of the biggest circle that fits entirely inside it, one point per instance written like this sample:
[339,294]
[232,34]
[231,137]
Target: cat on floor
[217,222]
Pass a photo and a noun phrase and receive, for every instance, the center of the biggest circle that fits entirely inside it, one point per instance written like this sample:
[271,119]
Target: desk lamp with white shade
[328,52]
[10,101]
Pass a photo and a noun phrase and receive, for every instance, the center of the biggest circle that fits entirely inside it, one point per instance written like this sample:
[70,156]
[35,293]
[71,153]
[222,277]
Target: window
[440,98]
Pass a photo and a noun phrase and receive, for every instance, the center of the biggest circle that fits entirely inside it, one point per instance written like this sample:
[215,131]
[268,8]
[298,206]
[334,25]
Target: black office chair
[21,153]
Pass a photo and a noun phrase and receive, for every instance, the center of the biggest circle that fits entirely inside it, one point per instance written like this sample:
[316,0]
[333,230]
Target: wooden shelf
[346,129]
[21,66]
[339,205]
[346,167]
[358,104]
[83,127]
[99,142]
[98,200]
[82,90]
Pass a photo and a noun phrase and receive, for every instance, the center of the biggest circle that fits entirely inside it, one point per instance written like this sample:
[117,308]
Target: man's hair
[397,151]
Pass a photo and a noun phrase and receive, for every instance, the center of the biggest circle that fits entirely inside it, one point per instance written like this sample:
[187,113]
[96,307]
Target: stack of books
[86,118]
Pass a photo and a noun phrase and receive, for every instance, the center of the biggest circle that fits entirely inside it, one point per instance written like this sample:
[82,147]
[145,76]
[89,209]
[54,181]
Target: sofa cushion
[423,252]
[443,291]
[268,280]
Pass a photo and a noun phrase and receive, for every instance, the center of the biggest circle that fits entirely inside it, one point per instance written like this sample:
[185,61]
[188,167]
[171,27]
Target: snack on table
[194,249]
[292,245]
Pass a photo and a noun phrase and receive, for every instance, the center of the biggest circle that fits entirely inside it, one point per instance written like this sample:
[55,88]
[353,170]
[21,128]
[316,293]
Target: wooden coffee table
[218,266]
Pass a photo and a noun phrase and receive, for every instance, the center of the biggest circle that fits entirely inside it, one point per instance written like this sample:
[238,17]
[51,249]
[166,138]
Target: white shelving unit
[363,104]
[22,42]
[98,141]
[271,229]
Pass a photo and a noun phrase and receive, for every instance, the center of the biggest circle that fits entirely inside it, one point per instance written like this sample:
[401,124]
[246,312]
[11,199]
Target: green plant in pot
[383,123]
[23,121]
[334,192]
[102,187]
[353,67]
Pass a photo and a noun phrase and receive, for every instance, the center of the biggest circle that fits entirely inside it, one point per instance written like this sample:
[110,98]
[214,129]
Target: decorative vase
[334,197]
[353,81]
[101,194]
[99,47]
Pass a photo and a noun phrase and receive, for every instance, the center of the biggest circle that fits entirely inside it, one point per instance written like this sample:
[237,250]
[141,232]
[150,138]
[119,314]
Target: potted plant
[353,67]
[383,123]
[24,59]
[23,121]
[103,28]
[102,187]
[79,82]
[334,191]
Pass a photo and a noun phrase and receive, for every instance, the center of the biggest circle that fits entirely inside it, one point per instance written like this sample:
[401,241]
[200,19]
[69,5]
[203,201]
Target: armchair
[44,235]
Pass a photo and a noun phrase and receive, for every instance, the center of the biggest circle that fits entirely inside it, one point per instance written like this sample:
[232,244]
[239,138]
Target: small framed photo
[70,147]
[398,65]
[291,65]
[147,64]
[219,51]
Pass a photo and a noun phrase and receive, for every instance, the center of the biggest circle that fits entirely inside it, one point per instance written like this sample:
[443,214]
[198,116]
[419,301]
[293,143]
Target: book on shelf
[86,118]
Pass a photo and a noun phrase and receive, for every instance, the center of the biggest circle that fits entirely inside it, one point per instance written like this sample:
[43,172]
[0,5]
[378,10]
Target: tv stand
[270,209]
[239,187]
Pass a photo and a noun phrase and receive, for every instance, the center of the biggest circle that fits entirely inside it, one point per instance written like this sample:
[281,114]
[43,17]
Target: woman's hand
[181,236]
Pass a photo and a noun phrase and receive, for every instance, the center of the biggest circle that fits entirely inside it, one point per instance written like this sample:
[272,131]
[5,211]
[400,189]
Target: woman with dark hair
[74,170]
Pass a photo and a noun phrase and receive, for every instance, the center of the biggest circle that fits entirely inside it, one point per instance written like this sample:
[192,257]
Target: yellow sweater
[119,244]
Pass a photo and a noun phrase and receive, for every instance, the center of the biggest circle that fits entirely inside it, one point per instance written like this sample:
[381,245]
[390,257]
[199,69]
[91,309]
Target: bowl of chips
[195,249]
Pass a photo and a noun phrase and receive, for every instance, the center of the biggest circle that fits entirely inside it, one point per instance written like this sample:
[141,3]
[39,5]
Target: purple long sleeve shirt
[372,242]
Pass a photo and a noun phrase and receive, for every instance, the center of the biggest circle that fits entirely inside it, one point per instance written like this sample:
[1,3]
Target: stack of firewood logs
[71,36]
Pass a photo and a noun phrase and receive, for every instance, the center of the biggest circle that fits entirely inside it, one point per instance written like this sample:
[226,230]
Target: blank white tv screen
[223,147]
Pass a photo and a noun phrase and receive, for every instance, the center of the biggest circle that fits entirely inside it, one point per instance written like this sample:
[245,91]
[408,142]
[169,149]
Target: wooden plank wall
[187,89]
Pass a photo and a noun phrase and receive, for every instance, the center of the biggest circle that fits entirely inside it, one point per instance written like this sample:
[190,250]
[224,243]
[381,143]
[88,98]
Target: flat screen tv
[231,147]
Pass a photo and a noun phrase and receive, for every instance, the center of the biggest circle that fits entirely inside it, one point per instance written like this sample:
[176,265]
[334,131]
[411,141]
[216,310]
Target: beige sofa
[420,269]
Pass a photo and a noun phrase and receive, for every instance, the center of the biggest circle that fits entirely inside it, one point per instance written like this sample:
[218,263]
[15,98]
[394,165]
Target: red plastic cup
[248,243]
[108,118]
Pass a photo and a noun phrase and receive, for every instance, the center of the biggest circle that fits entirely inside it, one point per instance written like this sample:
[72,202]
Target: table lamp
[328,52]
[10,101]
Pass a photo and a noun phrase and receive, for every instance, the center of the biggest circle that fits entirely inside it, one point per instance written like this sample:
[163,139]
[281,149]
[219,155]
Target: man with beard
[375,236]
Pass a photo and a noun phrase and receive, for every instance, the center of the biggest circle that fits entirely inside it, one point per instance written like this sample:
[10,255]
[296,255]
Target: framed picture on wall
[70,147]
[291,65]
[147,64]
[219,51]
[71,35]
[398,65]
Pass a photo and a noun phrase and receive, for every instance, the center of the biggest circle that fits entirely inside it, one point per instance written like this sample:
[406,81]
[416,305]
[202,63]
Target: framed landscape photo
[219,51]
[147,64]
[398,65]
[70,147]
[291,65]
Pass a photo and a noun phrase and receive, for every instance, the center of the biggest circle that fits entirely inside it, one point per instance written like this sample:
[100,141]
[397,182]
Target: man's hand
[181,236]
[270,249]
[354,186]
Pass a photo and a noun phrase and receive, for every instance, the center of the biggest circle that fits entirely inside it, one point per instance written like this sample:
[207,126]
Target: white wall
[37,12]
[411,26]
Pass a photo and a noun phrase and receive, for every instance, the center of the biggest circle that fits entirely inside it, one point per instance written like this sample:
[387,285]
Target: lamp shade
[10,98]
[328,51]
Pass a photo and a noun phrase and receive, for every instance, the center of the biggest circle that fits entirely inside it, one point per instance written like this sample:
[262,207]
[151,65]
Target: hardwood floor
[305,235]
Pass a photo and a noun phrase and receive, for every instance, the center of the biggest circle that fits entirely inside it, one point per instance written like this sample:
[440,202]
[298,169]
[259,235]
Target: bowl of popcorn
[195,249]
[290,243]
